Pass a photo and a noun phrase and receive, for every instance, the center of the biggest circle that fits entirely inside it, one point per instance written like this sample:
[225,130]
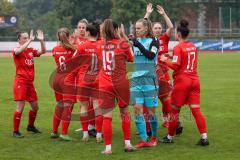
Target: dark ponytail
[94,29]
[109,29]
[183,28]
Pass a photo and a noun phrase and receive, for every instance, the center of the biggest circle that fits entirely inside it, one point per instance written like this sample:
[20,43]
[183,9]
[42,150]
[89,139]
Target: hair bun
[184,23]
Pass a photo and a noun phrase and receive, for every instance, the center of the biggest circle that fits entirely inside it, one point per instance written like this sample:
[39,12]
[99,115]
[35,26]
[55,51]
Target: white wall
[9,46]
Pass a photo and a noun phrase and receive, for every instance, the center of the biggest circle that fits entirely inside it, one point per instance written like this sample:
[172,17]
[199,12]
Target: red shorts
[87,89]
[186,90]
[58,96]
[65,88]
[109,92]
[23,91]
[165,88]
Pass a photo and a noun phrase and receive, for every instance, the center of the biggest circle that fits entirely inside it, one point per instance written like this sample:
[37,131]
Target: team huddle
[91,67]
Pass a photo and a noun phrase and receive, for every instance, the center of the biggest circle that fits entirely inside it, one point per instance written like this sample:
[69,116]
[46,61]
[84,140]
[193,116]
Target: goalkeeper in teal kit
[144,88]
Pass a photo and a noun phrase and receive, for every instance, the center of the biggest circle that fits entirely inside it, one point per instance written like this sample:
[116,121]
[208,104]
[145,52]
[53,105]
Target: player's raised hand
[160,10]
[149,8]
[40,35]
[31,37]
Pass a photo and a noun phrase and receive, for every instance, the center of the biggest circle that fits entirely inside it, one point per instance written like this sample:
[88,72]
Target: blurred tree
[7,8]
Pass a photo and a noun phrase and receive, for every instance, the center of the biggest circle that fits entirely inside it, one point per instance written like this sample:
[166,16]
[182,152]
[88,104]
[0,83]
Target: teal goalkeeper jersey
[144,67]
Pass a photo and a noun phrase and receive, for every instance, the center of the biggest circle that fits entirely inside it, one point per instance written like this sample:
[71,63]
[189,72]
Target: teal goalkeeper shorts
[144,91]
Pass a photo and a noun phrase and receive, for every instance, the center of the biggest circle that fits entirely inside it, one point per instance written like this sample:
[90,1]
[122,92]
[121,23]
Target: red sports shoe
[142,144]
[153,142]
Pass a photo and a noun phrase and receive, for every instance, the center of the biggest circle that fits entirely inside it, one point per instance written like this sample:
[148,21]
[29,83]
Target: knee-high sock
[173,122]
[107,130]
[31,117]
[141,126]
[57,118]
[16,121]
[99,123]
[154,125]
[126,125]
[66,118]
[84,122]
[200,120]
[146,117]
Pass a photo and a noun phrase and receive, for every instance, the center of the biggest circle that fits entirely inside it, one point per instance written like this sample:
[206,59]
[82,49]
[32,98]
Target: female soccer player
[143,87]
[88,80]
[62,53]
[113,82]
[186,87]
[23,88]
[77,38]
[163,76]
[79,35]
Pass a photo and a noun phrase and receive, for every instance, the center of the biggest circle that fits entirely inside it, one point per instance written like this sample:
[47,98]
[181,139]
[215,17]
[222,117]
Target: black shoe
[203,142]
[33,129]
[179,130]
[166,140]
[92,132]
[17,135]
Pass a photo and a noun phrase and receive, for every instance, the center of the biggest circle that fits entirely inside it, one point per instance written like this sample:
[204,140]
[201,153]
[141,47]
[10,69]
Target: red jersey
[61,55]
[25,64]
[77,41]
[185,56]
[90,48]
[114,55]
[163,48]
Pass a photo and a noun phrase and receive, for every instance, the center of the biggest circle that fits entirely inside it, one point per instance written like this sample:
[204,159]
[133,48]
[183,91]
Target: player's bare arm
[162,12]
[20,49]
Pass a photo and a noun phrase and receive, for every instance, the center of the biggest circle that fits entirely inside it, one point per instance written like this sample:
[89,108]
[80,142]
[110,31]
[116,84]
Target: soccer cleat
[99,139]
[92,132]
[33,129]
[54,135]
[203,142]
[85,138]
[179,130]
[65,137]
[142,144]
[166,140]
[129,148]
[153,141]
[17,135]
[107,152]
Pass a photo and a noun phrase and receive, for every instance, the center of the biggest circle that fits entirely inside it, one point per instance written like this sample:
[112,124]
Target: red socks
[57,118]
[107,130]
[31,117]
[126,125]
[84,122]
[99,123]
[200,120]
[16,121]
[146,117]
[173,122]
[91,115]
[66,118]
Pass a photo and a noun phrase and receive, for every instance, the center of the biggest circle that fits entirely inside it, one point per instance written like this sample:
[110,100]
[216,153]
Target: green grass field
[220,90]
